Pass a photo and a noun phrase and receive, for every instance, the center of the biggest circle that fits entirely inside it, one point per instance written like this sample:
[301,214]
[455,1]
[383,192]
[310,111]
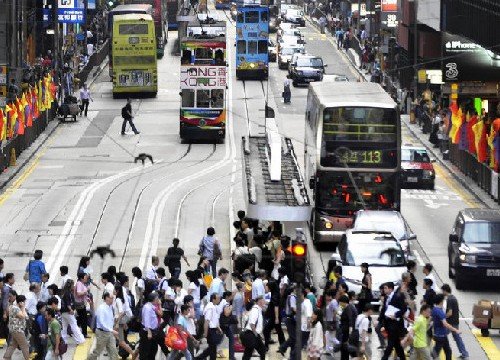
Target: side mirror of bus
[311,183]
[180,93]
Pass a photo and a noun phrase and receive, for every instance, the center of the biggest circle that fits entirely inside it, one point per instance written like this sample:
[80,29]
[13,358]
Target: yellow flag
[24,102]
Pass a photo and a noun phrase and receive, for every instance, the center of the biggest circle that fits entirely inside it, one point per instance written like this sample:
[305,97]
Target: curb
[447,166]
[46,134]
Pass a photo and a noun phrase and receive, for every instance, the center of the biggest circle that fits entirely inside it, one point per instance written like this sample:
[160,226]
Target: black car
[474,247]
[306,68]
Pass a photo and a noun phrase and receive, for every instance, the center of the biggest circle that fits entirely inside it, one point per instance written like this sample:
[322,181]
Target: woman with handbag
[81,293]
[68,313]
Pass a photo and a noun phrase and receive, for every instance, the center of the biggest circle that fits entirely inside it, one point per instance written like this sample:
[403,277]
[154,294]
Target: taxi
[417,170]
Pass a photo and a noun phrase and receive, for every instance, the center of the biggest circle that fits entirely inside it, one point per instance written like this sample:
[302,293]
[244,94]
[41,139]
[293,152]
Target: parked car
[285,53]
[474,248]
[382,252]
[306,68]
[295,16]
[386,221]
[272,50]
[417,168]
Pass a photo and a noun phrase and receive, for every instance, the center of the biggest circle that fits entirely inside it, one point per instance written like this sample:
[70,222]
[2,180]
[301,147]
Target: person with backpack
[54,338]
[127,117]
[35,268]
[173,259]
[39,331]
[210,249]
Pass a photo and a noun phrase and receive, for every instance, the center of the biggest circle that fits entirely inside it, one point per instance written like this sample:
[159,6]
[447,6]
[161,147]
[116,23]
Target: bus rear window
[133,60]
[133,29]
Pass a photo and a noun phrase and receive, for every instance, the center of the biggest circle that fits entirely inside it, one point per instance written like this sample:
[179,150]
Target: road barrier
[480,173]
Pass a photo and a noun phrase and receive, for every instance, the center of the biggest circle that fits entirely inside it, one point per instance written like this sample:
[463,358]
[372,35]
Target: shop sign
[354,8]
[389,5]
[389,20]
[71,16]
[66,4]
[464,60]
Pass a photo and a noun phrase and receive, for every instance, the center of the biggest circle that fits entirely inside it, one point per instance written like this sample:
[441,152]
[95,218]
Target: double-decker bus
[134,55]
[203,79]
[160,17]
[252,37]
[352,154]
[172,10]
[123,10]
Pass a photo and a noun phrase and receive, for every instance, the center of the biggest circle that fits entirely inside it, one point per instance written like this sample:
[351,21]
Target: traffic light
[299,253]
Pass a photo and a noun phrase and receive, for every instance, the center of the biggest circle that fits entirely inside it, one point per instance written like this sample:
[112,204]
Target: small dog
[142,157]
[102,251]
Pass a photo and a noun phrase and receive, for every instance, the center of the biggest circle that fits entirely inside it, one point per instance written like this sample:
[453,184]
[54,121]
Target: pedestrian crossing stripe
[489,347]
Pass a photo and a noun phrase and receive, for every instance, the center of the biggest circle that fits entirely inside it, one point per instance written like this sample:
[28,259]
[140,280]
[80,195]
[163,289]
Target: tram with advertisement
[160,17]
[352,154]
[203,82]
[252,38]
[134,55]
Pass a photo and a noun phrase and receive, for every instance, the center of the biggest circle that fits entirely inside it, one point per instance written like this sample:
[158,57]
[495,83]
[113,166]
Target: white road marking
[50,166]
[431,204]
[152,235]
[70,229]
[420,261]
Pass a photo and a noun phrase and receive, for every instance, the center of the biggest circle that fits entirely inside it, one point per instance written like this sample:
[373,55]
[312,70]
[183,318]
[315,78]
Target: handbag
[63,347]
[217,252]
[176,339]
[201,250]
[26,275]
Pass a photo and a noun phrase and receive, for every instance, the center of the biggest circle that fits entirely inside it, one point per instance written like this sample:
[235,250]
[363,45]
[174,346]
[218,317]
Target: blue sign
[91,4]
[71,16]
[46,17]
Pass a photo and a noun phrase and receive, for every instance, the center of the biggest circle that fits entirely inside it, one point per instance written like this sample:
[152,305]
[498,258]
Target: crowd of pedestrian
[198,304]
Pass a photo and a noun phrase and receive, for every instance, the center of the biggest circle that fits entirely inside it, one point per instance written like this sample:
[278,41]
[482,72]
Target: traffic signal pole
[299,252]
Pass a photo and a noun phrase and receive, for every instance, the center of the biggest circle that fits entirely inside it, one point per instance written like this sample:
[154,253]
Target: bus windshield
[335,191]
[359,137]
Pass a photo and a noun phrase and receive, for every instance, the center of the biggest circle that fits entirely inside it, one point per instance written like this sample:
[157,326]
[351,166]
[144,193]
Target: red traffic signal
[299,250]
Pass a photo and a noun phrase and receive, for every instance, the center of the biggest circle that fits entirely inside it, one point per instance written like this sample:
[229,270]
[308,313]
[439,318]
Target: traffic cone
[12,157]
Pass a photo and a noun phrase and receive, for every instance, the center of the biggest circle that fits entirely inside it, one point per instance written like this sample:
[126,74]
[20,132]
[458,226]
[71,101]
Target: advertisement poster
[389,5]
[196,77]
[464,60]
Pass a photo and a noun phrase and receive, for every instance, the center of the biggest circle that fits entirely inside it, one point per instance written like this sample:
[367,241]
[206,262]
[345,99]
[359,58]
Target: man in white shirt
[108,285]
[258,285]
[151,272]
[211,331]
[218,285]
[105,333]
[63,270]
[427,270]
[251,338]
[363,325]
[32,298]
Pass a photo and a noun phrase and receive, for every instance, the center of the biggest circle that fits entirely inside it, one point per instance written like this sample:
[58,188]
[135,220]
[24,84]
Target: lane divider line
[487,344]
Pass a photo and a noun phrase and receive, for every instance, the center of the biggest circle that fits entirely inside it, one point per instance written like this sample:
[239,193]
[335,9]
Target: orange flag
[3,126]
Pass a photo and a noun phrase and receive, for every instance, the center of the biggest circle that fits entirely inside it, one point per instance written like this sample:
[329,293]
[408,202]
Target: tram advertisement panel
[203,117]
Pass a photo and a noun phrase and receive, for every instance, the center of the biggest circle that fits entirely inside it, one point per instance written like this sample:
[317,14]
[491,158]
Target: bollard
[12,161]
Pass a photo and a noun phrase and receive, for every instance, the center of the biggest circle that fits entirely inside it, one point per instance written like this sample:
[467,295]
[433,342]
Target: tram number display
[362,157]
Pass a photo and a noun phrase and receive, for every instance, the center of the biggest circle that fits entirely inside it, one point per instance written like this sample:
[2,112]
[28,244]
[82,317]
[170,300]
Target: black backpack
[124,112]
